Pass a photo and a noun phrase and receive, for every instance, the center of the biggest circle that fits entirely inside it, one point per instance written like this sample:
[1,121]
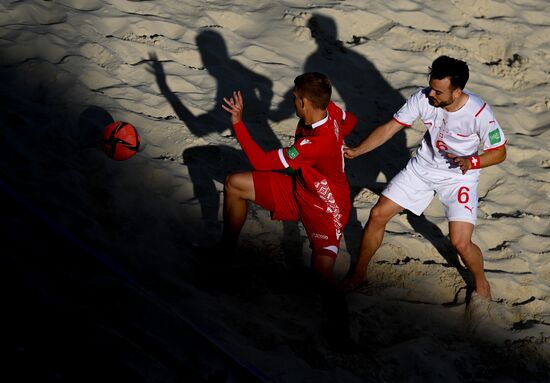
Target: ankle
[483,288]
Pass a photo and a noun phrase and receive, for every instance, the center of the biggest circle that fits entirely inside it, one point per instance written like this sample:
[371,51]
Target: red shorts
[275,192]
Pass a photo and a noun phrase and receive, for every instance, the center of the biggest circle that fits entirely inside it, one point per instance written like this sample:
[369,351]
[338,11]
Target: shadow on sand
[209,163]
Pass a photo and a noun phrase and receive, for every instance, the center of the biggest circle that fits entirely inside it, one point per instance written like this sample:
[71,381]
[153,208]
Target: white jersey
[459,133]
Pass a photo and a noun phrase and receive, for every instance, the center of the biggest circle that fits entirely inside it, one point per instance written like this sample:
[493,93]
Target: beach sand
[99,278]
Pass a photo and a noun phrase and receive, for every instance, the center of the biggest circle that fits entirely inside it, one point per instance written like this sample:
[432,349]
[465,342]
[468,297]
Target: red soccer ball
[120,140]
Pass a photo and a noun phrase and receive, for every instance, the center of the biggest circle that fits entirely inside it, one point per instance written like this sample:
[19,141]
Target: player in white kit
[447,163]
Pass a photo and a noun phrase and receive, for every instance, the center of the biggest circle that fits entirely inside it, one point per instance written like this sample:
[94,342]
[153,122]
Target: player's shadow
[209,163]
[366,93]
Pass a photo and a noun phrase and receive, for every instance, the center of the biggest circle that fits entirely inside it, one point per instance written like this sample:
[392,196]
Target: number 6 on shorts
[463,196]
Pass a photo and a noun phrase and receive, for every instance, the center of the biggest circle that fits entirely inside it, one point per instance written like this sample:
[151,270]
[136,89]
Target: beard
[440,104]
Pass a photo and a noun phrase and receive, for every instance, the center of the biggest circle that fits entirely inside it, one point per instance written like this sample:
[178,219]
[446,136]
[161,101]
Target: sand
[100,279]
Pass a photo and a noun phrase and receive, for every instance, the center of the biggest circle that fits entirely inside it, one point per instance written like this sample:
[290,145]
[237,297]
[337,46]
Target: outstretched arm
[259,159]
[378,136]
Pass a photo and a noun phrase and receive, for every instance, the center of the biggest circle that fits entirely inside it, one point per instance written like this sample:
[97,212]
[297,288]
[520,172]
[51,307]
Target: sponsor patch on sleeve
[494,137]
[292,153]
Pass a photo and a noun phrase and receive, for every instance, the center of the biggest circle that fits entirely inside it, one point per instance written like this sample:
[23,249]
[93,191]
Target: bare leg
[470,253]
[373,234]
[238,190]
[333,300]
[324,266]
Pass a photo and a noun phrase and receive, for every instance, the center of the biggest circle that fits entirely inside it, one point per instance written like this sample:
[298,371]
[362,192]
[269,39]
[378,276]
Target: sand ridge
[70,67]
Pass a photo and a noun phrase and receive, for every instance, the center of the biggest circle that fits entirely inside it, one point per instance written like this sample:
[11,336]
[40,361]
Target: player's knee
[233,183]
[378,217]
[239,185]
[229,184]
[461,245]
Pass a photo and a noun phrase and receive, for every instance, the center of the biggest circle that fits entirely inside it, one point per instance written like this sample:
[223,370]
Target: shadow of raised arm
[199,126]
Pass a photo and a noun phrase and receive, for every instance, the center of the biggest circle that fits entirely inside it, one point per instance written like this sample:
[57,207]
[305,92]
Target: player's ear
[457,91]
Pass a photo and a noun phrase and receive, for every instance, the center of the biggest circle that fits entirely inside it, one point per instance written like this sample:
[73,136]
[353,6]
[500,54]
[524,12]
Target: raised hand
[235,107]
[154,66]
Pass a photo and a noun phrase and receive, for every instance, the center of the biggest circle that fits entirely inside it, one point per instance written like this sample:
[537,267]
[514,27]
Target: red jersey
[317,159]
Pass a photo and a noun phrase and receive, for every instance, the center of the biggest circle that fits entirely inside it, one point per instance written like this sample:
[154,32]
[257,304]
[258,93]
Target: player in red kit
[317,192]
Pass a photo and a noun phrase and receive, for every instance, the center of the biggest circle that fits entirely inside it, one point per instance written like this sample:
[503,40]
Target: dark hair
[315,87]
[456,70]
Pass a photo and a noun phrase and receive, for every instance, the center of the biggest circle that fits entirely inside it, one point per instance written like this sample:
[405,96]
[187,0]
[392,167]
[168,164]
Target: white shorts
[414,192]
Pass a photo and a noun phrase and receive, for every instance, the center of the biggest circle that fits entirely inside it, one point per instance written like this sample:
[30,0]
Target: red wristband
[475,163]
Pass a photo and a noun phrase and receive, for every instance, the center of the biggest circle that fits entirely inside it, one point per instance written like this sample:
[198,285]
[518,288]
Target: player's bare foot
[352,283]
